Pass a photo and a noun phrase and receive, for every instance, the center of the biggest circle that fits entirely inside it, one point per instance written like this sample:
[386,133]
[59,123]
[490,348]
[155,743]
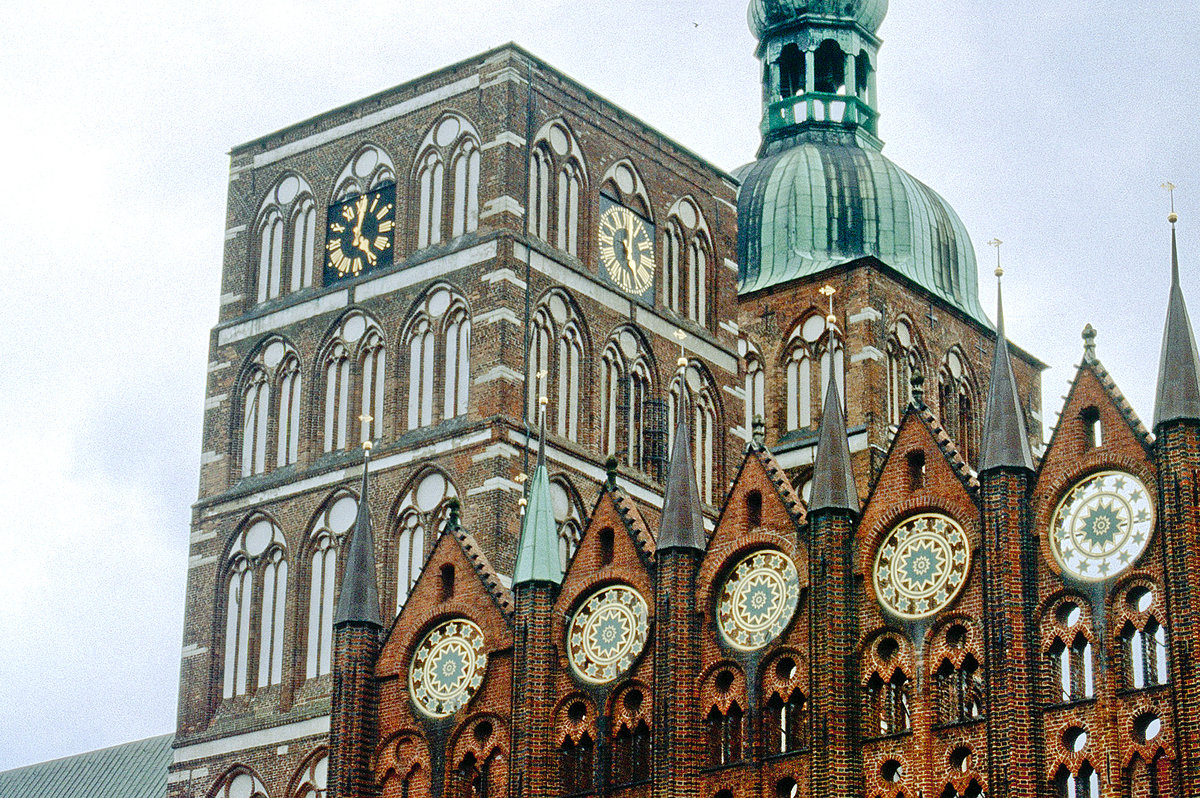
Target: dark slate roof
[682,524]
[833,485]
[1178,395]
[1005,439]
[132,770]
[358,601]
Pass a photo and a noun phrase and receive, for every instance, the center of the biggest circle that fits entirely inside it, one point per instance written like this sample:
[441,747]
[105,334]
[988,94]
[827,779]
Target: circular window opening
[577,711]
[483,731]
[633,700]
[785,668]
[787,788]
[887,649]
[1141,598]
[1074,739]
[957,636]
[1069,614]
[892,771]
[960,759]
[1146,727]
[724,681]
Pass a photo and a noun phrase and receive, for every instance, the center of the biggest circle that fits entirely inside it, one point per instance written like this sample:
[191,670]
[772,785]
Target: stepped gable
[783,486]
[1120,402]
[635,525]
[945,445]
[483,567]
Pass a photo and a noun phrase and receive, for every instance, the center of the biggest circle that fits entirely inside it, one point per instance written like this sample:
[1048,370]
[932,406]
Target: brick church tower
[683,484]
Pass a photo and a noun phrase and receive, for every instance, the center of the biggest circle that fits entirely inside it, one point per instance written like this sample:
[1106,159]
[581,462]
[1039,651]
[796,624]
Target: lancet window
[957,404]
[888,691]
[286,234]
[556,355]
[568,516]
[314,778]
[325,540]
[809,364]
[687,256]
[437,339]
[755,385]
[354,367]
[270,414]
[631,738]
[452,140]
[420,518]
[557,181]
[626,385]
[1069,655]
[256,579]
[576,765]
[902,359]
[785,717]
[958,679]
[1143,639]
[705,424]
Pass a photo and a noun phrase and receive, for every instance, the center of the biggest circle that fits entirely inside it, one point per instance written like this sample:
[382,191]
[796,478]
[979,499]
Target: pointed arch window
[438,332]
[1085,783]
[540,165]
[673,259]
[626,384]
[570,187]
[888,692]
[315,779]
[783,725]
[431,176]
[289,411]
[256,400]
[287,218]
[1143,641]
[755,386]
[631,754]
[900,357]
[724,731]
[568,517]
[420,374]
[697,286]
[1070,656]
[576,765]
[704,426]
[457,337]
[304,231]
[956,400]
[959,691]
[471,780]
[373,360]
[556,363]
[421,517]
[808,346]
[465,205]
[326,537]
[241,784]
[256,579]
[337,396]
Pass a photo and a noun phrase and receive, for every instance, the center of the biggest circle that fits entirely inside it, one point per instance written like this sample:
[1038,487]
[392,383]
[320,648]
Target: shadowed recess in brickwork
[1178,396]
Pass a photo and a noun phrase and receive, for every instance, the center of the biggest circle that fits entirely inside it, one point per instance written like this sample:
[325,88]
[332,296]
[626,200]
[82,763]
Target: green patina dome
[828,200]
[766,15]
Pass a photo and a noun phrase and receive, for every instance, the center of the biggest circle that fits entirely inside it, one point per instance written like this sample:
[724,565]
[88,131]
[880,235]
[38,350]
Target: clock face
[1102,525]
[626,250]
[447,668]
[758,600]
[358,238]
[921,565]
[607,633]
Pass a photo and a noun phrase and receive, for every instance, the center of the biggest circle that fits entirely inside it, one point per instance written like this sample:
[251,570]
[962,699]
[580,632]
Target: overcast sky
[1051,131]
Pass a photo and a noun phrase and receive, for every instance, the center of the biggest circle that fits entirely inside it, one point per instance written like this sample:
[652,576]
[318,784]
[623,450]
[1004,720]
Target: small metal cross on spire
[995,242]
[366,423]
[1170,187]
[681,336]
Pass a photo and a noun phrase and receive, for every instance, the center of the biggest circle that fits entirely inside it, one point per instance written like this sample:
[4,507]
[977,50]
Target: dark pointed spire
[537,549]
[833,485]
[1005,437]
[682,521]
[1178,395]
[358,601]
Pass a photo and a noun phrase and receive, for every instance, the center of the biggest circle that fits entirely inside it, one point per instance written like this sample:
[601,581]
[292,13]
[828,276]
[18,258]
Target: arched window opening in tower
[724,732]
[888,703]
[337,396]
[256,579]
[1084,783]
[440,328]
[959,691]
[288,415]
[784,723]
[256,399]
[329,532]
[755,387]
[470,780]
[556,364]
[372,361]
[1143,641]
[1093,430]
[421,516]
[314,779]
[1070,657]
[791,71]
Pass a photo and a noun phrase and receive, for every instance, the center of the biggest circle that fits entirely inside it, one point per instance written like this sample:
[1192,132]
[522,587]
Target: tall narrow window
[289,412]
[255,404]
[570,360]
[320,608]
[410,554]
[783,725]
[612,381]
[539,192]
[420,375]
[755,387]
[705,444]
[374,370]
[539,360]
[697,283]
[569,189]
[465,206]
[576,765]
[421,517]
[791,71]
[673,282]
[724,736]
[337,397]
[458,363]
[237,626]
[304,226]
[270,641]
[430,180]
[270,260]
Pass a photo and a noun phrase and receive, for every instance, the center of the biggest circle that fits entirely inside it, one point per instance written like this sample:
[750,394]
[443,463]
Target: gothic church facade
[682,483]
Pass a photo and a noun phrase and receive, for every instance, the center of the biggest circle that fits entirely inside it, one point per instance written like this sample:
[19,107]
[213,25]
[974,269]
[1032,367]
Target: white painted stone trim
[210,457]
[368,121]
[504,275]
[502,204]
[428,270]
[499,373]
[284,317]
[804,455]
[234,232]
[497,449]
[215,401]
[198,561]
[866,314]
[255,739]
[506,137]
[494,484]
[497,315]
[868,352]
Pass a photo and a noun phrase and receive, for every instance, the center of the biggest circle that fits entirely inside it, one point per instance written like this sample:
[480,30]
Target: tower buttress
[681,545]
[833,508]
[354,716]
[1177,452]
[536,579]
[1009,588]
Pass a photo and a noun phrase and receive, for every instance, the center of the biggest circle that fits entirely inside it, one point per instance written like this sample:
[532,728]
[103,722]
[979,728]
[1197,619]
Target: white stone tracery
[438,331]
[452,140]
[328,534]
[286,216]
[257,572]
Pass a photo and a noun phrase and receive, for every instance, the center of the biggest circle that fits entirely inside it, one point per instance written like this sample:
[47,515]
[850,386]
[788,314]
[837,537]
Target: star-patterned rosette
[758,600]
[921,565]
[447,668]
[607,633]
[1102,525]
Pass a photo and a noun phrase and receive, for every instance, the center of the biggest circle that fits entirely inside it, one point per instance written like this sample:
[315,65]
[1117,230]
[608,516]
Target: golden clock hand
[361,209]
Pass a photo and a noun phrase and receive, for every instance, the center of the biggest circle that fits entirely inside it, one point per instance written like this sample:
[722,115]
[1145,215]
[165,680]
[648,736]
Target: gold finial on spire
[1172,217]
[828,291]
[681,336]
[995,242]
[366,420]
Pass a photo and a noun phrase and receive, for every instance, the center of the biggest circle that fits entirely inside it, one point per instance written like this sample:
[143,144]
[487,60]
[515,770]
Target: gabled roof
[1178,394]
[483,568]
[131,770]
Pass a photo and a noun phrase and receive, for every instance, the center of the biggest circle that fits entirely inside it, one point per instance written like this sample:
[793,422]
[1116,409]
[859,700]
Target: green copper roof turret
[537,550]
